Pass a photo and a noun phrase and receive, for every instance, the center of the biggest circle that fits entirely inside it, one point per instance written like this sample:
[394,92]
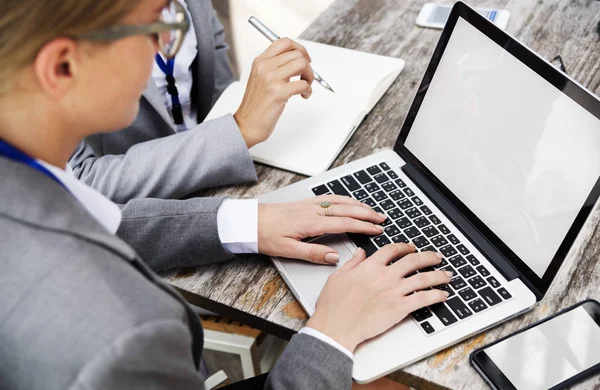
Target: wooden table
[249,289]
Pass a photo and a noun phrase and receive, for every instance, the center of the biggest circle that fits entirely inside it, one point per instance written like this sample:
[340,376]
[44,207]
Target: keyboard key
[453,239]
[372,187]
[405,204]
[388,186]
[444,229]
[413,213]
[392,230]
[443,313]
[458,307]
[379,196]
[369,201]
[400,238]
[374,170]
[483,271]
[422,222]
[430,231]
[337,188]
[477,305]
[320,190]
[462,249]
[477,282]
[381,240]
[493,282]
[381,178]
[363,241]
[467,271]
[362,177]
[458,283]
[429,248]
[420,241]
[409,192]
[392,175]
[439,241]
[457,261]
[360,194]
[467,294]
[385,166]
[417,200]
[426,210]
[448,251]
[435,220]
[489,296]
[411,232]
[387,222]
[395,213]
[400,183]
[427,327]
[446,288]
[377,210]
[473,260]
[404,223]
[444,263]
[397,195]
[503,293]
[387,204]
[350,183]
[421,314]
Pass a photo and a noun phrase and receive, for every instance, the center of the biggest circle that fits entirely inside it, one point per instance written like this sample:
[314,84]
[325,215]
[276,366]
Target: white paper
[311,133]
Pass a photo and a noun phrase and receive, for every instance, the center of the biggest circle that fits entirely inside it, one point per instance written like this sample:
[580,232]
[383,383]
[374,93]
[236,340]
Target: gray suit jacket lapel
[201,12]
[157,101]
[205,70]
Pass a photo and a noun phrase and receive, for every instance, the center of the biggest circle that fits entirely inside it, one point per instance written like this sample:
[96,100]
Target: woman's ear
[55,66]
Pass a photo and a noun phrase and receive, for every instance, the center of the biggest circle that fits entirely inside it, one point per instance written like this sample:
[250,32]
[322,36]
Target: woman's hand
[269,88]
[281,226]
[366,297]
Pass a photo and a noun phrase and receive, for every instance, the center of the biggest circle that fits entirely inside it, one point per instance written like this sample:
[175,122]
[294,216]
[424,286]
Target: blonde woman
[79,308]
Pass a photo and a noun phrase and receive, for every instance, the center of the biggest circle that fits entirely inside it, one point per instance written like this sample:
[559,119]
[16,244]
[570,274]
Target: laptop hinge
[476,238]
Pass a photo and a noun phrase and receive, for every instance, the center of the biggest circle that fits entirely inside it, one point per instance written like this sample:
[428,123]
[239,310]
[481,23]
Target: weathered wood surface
[250,284]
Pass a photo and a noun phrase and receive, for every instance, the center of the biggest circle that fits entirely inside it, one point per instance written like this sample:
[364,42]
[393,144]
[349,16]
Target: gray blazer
[148,162]
[80,310]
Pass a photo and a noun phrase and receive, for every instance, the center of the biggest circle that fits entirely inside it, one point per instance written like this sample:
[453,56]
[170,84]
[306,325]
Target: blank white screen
[551,353]
[514,149]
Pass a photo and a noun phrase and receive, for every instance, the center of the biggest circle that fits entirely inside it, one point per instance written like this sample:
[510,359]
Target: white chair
[257,350]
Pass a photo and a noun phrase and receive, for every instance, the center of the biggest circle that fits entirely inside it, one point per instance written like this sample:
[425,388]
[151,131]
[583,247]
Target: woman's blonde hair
[27,25]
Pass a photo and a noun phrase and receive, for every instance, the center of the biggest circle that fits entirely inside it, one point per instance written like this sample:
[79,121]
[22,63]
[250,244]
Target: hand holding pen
[271,36]
[270,87]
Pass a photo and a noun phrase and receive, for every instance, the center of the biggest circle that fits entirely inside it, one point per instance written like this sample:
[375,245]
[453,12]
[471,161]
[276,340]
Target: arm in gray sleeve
[173,233]
[213,154]
[309,363]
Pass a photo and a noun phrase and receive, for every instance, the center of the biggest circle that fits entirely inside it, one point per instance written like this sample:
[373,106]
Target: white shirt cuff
[237,223]
[326,339]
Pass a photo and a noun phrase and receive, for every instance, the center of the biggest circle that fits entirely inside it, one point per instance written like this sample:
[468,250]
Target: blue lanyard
[15,154]
[168,69]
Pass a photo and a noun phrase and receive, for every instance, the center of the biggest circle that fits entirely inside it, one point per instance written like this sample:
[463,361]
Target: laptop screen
[519,153]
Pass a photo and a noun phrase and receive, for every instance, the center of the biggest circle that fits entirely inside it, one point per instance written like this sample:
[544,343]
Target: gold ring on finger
[326,205]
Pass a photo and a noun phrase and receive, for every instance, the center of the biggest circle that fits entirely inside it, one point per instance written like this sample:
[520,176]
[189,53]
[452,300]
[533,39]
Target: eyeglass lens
[170,41]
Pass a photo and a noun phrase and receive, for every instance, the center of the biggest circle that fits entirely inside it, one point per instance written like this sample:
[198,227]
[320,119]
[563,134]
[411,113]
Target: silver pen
[271,36]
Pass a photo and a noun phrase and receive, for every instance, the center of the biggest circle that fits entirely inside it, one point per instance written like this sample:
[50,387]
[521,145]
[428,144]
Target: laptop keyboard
[472,289]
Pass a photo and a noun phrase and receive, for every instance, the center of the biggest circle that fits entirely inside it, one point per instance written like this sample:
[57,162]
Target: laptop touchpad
[307,278]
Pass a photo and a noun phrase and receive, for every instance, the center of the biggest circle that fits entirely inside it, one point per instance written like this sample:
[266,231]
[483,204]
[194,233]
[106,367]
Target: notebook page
[311,133]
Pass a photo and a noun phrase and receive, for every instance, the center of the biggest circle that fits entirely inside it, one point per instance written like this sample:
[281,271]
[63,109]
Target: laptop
[497,166]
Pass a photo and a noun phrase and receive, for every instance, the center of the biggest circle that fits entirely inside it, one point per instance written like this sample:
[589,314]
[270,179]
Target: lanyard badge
[168,68]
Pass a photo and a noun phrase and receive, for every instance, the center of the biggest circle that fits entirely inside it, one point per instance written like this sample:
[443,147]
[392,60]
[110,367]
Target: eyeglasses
[170,31]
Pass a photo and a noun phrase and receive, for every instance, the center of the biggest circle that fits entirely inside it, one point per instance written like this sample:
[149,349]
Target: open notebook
[311,133]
